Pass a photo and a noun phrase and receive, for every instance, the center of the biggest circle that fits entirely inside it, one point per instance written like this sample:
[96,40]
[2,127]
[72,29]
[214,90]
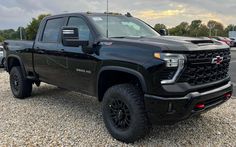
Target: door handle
[38,50]
[62,50]
[41,51]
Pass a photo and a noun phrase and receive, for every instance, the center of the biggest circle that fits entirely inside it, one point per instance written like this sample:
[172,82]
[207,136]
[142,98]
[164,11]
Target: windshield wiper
[119,37]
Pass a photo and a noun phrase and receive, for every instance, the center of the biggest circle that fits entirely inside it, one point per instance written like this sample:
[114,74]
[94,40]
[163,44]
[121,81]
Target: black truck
[140,77]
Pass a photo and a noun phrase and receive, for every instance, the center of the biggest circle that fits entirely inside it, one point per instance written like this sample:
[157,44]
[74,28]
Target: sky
[14,13]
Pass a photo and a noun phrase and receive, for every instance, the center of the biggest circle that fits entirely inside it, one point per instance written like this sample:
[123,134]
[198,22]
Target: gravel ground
[55,117]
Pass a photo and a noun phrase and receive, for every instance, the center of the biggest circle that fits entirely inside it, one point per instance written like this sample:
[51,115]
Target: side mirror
[70,37]
[163,32]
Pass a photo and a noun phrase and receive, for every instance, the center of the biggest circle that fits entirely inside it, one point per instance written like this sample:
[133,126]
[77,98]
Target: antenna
[107,18]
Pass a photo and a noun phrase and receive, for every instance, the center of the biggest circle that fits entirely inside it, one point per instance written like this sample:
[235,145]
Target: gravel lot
[55,117]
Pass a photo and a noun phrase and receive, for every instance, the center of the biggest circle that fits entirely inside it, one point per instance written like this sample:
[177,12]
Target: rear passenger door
[47,58]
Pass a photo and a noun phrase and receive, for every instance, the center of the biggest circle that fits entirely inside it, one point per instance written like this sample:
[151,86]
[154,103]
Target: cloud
[152,14]
[14,13]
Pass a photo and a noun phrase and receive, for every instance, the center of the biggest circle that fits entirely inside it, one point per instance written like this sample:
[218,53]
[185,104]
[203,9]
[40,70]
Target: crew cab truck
[140,77]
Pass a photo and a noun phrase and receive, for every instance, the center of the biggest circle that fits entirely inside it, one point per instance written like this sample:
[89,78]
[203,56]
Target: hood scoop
[201,42]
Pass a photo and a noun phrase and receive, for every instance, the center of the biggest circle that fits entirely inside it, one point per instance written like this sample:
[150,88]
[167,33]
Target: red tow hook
[200,106]
[227,96]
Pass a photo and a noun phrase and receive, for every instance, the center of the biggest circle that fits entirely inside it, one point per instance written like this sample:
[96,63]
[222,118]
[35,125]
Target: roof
[90,14]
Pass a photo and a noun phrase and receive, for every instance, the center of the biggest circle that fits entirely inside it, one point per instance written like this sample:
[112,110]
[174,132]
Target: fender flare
[21,64]
[125,70]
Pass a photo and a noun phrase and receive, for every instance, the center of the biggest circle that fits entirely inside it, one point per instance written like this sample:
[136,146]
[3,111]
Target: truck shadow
[196,130]
[1,70]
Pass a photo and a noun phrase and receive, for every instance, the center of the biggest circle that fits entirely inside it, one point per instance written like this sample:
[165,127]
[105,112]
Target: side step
[34,79]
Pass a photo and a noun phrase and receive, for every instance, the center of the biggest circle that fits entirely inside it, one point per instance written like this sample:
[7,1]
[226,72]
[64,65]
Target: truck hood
[172,43]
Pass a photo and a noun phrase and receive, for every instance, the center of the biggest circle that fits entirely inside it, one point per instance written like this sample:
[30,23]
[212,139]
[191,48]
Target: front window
[84,32]
[122,26]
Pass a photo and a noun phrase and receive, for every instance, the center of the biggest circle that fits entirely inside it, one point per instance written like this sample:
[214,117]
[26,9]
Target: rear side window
[84,32]
[52,30]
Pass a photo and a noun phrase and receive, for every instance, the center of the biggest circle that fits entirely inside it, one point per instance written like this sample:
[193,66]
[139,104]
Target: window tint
[84,32]
[122,26]
[52,30]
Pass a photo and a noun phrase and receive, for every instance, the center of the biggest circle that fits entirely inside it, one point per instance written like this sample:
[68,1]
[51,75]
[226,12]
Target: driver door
[80,66]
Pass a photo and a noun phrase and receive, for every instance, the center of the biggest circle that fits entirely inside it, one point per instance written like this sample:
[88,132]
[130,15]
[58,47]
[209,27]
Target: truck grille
[200,69]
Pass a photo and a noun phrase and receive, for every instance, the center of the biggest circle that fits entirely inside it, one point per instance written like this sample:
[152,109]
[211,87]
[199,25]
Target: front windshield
[122,26]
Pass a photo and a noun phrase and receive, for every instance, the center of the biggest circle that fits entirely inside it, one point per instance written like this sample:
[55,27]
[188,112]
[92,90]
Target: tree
[2,39]
[203,31]
[159,27]
[181,30]
[229,28]
[32,28]
[215,28]
[195,27]
[9,34]
[198,29]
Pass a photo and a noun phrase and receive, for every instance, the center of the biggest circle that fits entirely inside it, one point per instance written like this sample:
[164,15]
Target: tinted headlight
[172,61]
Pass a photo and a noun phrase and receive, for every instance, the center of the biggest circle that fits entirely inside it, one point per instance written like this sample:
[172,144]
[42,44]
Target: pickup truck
[139,76]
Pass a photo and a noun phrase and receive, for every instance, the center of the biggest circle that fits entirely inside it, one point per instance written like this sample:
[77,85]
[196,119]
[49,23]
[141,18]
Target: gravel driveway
[55,117]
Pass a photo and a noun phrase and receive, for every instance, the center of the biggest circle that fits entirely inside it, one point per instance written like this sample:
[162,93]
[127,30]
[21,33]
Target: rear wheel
[20,86]
[124,113]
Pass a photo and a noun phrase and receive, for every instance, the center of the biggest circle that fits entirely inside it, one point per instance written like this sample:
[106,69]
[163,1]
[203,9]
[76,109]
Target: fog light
[200,106]
[227,96]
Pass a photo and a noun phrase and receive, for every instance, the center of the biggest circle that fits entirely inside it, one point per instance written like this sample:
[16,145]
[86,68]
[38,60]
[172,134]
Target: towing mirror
[70,37]
[163,32]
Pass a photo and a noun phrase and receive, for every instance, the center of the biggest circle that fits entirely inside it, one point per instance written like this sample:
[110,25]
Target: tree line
[195,29]
[26,33]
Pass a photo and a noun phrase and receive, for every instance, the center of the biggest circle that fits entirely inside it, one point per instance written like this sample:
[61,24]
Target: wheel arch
[126,71]
[14,60]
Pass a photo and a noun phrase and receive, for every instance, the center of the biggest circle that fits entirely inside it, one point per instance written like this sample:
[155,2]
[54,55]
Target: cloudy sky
[14,13]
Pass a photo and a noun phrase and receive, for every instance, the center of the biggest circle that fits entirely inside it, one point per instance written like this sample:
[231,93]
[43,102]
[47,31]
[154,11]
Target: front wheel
[20,86]
[2,63]
[124,113]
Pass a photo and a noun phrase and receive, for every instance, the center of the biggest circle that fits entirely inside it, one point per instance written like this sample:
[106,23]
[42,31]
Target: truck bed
[15,45]
[21,49]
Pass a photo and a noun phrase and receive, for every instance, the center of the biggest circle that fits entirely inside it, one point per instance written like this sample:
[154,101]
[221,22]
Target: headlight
[172,61]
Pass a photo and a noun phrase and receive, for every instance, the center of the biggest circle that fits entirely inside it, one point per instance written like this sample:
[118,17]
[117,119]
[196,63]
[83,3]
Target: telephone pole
[21,37]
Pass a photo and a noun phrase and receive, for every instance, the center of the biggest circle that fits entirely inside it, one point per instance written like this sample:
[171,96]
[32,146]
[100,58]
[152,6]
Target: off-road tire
[20,86]
[133,103]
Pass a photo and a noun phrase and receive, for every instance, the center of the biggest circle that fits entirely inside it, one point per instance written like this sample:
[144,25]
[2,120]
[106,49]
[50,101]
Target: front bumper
[161,109]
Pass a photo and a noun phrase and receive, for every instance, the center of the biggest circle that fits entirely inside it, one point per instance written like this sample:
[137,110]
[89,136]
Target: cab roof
[90,14]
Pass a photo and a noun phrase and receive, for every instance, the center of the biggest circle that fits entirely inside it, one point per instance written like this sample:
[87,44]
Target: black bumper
[172,110]
[1,61]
